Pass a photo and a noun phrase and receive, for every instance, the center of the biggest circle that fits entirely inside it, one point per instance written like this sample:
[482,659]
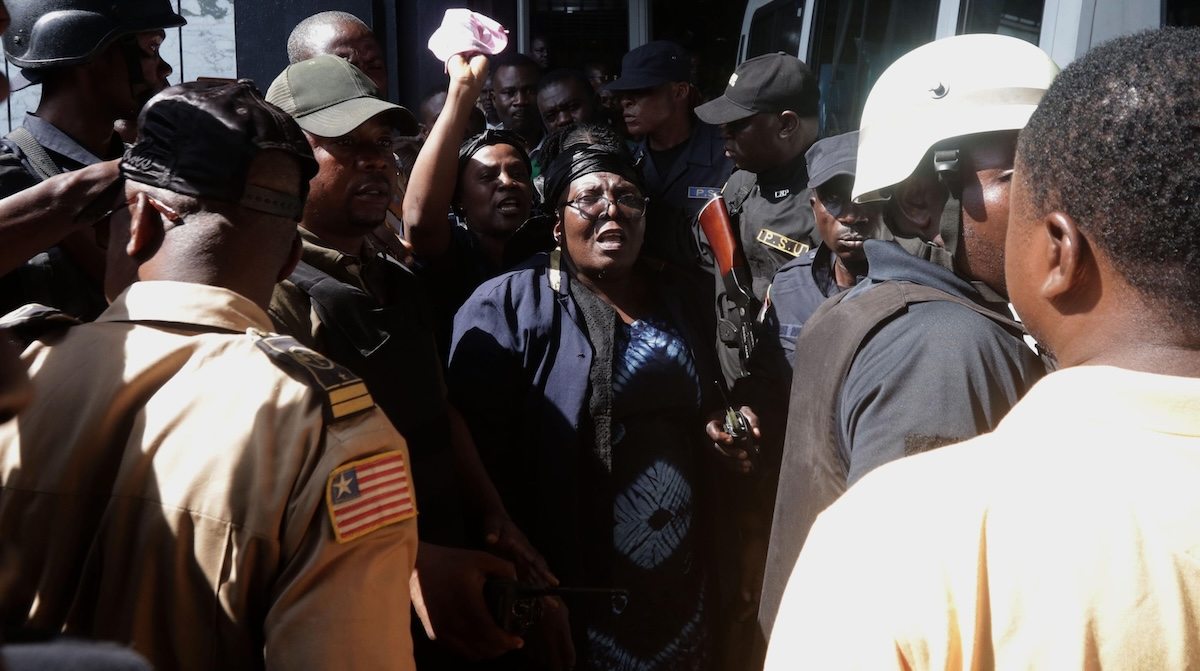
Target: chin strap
[950,229]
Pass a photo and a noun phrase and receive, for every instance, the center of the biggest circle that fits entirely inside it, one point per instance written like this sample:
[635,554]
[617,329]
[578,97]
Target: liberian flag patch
[365,495]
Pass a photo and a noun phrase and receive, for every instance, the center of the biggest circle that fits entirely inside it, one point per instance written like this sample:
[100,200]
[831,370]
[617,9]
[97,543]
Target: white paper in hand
[463,31]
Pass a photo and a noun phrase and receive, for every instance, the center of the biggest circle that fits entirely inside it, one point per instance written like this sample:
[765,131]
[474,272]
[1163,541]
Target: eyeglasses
[592,206]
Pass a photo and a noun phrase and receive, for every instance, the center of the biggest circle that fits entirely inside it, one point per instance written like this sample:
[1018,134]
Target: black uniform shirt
[775,226]
[777,223]
[51,278]
[937,374]
[677,195]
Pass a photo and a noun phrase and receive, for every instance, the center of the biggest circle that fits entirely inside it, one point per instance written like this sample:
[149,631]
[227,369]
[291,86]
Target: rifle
[731,262]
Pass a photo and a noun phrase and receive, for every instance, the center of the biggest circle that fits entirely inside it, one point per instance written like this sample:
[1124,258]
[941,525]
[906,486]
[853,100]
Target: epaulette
[344,393]
[32,322]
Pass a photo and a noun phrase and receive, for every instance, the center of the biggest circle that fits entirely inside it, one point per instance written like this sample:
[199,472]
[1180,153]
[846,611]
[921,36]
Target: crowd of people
[296,378]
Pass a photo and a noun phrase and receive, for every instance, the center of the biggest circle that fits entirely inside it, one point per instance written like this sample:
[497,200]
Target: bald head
[340,34]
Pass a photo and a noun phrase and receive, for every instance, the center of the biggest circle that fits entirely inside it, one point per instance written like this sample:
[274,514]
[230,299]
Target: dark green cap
[329,97]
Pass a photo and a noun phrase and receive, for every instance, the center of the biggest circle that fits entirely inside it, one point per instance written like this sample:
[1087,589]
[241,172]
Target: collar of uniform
[338,265]
[187,303]
[50,137]
[792,177]
[822,270]
[702,135]
[887,260]
[1160,403]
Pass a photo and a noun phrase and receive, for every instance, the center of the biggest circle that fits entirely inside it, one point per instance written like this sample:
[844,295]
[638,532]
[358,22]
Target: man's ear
[789,123]
[293,259]
[145,229]
[681,91]
[557,231]
[1066,254]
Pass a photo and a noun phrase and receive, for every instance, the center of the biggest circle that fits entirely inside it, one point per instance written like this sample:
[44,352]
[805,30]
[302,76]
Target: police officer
[801,285]
[98,63]
[352,301]
[768,119]
[215,497]
[682,159]
[918,354]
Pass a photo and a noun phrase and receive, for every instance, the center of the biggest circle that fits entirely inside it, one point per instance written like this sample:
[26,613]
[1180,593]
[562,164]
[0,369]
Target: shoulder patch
[365,495]
[781,242]
[344,393]
[31,322]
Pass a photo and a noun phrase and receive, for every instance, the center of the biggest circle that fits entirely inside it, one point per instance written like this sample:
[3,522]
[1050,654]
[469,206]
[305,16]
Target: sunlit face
[356,180]
[495,191]
[647,110]
[986,168]
[515,94]
[754,143]
[607,246]
[358,45]
[564,103]
[846,231]
[128,97]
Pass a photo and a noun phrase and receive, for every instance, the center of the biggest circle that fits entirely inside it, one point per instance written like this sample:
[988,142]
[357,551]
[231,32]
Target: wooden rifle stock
[718,227]
[731,262]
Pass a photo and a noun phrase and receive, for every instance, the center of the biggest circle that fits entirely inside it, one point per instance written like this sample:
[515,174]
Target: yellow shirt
[1069,538]
[169,487]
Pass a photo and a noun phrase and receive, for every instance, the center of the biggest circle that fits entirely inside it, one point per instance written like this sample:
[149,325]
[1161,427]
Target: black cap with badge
[653,64]
[199,139]
[771,83]
[831,157]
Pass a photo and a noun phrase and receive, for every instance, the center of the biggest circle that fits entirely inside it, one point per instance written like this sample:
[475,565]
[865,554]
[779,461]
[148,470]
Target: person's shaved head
[340,34]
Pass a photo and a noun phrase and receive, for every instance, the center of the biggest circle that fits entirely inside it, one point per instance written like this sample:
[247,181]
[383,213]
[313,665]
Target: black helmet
[52,33]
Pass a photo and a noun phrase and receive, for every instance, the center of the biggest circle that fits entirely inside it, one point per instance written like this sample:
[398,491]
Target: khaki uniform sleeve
[342,605]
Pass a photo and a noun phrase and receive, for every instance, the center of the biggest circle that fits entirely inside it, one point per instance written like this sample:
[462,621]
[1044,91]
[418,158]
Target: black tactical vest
[814,474]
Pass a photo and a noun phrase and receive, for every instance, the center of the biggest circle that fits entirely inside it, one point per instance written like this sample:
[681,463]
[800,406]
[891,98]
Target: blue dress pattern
[656,401]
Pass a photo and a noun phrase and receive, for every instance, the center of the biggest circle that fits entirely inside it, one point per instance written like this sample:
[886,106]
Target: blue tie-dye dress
[656,549]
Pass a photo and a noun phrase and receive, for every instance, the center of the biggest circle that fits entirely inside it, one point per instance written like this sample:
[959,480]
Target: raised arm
[431,186]
[33,220]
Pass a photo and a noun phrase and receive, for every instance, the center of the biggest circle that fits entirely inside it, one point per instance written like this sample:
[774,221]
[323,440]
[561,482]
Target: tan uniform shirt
[170,487]
[1065,539]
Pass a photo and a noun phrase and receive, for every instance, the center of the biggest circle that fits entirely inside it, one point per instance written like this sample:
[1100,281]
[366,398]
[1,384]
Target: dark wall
[263,27]
[415,69]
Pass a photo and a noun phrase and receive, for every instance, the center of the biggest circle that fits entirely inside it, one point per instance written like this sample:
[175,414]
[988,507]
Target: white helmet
[955,86]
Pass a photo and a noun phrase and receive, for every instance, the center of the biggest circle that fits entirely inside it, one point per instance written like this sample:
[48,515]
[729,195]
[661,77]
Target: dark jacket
[521,371]
[911,359]
[677,196]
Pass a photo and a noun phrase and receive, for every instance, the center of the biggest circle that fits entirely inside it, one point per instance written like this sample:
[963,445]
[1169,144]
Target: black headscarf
[580,159]
[487,138]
